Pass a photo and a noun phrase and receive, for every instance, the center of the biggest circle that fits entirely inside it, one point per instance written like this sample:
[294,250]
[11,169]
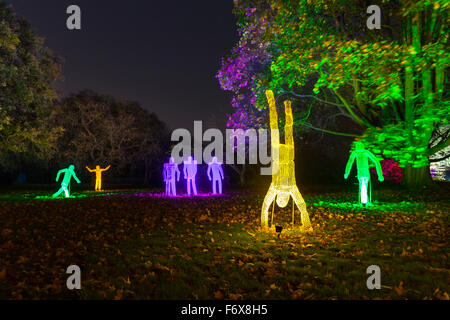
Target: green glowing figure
[65,184]
[362,165]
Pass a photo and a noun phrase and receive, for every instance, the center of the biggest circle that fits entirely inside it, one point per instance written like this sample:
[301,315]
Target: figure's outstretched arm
[377,165]
[288,127]
[75,177]
[57,175]
[177,172]
[89,169]
[349,165]
[301,205]
[106,168]
[268,199]
[208,172]
[221,172]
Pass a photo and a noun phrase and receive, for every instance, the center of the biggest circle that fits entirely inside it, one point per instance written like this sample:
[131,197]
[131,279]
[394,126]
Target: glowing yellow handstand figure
[283,184]
[98,176]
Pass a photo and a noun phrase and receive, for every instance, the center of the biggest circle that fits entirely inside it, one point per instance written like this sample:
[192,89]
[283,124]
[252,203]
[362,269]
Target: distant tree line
[40,132]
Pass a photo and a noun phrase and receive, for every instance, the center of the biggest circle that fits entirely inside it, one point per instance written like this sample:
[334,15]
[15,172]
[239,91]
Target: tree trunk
[417,177]
[147,172]
[242,175]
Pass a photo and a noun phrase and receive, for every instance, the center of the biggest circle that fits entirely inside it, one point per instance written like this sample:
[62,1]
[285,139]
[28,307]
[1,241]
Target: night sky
[163,54]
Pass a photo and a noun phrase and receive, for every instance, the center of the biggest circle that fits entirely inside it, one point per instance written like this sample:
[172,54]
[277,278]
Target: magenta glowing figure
[190,170]
[169,173]
[217,174]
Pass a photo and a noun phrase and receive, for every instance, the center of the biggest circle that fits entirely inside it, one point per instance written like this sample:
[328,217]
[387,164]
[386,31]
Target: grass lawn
[135,245]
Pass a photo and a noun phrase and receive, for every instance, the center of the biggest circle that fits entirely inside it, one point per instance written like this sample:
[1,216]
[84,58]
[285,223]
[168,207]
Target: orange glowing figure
[98,176]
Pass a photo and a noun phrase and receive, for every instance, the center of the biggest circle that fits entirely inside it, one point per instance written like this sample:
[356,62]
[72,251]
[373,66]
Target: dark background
[163,54]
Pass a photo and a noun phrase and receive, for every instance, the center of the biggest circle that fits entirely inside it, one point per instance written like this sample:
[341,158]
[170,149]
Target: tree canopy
[27,72]
[391,82]
[99,129]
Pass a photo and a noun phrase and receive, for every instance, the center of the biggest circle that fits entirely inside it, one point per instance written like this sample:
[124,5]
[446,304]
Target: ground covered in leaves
[138,245]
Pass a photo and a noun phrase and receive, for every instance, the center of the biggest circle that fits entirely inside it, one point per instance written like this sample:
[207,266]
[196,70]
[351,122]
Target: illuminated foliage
[283,184]
[392,172]
[248,58]
[390,82]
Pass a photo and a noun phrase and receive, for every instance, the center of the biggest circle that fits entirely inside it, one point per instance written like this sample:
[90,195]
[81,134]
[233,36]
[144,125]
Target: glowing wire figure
[98,176]
[283,184]
[171,172]
[65,184]
[190,170]
[362,157]
[217,174]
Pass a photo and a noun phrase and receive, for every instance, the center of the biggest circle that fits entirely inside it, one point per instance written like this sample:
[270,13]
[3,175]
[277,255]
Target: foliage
[99,129]
[392,172]
[239,71]
[391,82]
[27,71]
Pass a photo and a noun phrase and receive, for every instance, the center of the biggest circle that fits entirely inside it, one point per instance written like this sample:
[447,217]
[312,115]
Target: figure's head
[214,159]
[71,167]
[97,167]
[359,145]
[282,199]
[171,160]
[190,159]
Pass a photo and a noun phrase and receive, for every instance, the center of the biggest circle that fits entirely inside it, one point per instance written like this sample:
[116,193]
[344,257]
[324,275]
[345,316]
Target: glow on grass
[98,176]
[217,174]
[283,184]
[362,157]
[384,206]
[170,172]
[65,184]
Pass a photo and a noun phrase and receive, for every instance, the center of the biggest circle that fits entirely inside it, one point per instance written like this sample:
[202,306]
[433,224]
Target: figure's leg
[219,181]
[167,188]
[100,184]
[194,187]
[214,186]
[66,192]
[57,193]
[268,199]
[174,190]
[188,186]
[301,205]
[96,184]
[363,190]
[170,188]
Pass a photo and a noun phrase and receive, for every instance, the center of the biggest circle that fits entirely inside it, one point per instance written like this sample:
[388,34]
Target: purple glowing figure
[190,170]
[169,173]
[217,174]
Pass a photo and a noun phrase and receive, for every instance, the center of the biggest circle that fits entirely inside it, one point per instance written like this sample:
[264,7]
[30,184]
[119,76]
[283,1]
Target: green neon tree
[390,82]
[65,184]
[362,157]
